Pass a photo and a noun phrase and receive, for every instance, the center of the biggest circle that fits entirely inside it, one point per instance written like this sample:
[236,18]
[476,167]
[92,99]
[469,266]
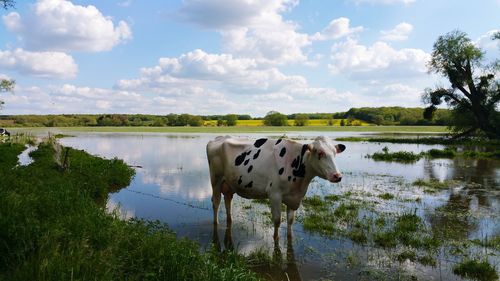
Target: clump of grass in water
[399,156]
[441,153]
[322,223]
[346,212]
[434,185]
[475,269]
[314,202]
[386,196]
[478,154]
[490,242]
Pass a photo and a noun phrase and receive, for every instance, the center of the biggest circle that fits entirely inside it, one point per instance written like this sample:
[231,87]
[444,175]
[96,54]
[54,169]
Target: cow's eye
[321,154]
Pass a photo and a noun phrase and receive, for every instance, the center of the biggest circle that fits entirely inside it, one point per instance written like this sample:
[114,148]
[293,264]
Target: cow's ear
[340,147]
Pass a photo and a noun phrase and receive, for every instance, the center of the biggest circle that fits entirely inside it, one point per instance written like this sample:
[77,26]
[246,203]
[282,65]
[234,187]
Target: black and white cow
[4,132]
[279,170]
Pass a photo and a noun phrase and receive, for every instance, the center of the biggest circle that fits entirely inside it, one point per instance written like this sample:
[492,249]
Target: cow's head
[322,158]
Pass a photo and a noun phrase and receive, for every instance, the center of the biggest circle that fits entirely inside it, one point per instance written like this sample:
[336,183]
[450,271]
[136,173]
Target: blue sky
[227,56]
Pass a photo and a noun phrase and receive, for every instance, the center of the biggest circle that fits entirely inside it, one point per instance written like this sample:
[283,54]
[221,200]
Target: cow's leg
[276,215]
[228,197]
[216,197]
[290,217]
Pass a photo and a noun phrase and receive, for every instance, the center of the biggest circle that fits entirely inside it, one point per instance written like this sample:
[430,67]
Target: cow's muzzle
[337,177]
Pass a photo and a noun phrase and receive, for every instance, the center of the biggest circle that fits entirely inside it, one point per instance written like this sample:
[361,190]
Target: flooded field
[384,221]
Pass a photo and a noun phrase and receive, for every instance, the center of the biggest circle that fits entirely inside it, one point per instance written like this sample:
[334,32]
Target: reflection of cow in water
[4,132]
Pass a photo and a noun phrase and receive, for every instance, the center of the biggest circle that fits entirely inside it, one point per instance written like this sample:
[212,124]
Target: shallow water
[172,185]
[24,158]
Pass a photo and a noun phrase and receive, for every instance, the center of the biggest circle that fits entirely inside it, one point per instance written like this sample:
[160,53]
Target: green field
[242,129]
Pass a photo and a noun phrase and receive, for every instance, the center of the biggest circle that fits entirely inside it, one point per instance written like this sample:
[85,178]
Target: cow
[4,132]
[279,170]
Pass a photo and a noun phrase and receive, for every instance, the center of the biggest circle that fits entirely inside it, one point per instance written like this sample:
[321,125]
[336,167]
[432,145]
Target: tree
[475,91]
[6,86]
[274,118]
[342,122]
[7,4]
[231,119]
[301,120]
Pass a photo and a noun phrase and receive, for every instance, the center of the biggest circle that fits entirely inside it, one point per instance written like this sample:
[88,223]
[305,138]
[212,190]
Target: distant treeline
[396,116]
[376,115]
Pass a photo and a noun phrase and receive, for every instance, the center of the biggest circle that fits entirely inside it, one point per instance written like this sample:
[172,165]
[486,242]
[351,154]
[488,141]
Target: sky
[228,56]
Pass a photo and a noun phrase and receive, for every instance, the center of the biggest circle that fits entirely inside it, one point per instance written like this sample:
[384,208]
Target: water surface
[172,185]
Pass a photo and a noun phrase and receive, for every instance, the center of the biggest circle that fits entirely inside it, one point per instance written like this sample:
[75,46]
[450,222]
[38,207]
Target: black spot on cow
[299,169]
[296,162]
[246,162]
[294,179]
[283,152]
[289,178]
[240,159]
[281,171]
[278,141]
[239,181]
[271,184]
[258,143]
[249,185]
[304,149]
[250,168]
[256,154]
[248,152]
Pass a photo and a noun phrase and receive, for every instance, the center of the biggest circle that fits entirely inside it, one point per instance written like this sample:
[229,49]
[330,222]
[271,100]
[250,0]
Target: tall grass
[53,226]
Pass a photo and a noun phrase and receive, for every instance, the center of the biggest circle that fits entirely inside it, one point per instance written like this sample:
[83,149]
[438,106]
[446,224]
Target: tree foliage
[475,91]
[7,4]
[231,119]
[301,120]
[274,118]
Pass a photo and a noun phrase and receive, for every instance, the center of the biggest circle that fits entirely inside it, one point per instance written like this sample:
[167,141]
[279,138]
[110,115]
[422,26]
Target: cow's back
[243,164]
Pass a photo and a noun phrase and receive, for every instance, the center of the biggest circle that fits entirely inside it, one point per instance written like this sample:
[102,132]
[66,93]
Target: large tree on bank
[475,89]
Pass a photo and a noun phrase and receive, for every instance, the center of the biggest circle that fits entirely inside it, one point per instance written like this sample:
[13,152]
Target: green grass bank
[243,129]
[54,226]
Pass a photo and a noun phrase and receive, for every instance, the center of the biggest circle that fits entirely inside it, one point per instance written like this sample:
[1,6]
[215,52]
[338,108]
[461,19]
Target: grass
[386,196]
[424,140]
[476,270]
[442,153]
[53,226]
[240,129]
[399,156]
[433,185]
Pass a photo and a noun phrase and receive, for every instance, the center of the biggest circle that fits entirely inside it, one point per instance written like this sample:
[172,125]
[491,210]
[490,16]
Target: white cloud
[379,60]
[59,25]
[337,28]
[399,33]
[40,64]
[253,29]
[197,68]
[485,42]
[220,83]
[383,2]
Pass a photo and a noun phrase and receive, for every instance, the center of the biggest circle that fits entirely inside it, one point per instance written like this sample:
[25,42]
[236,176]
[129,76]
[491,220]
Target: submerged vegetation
[449,152]
[476,270]
[405,236]
[53,226]
[399,156]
